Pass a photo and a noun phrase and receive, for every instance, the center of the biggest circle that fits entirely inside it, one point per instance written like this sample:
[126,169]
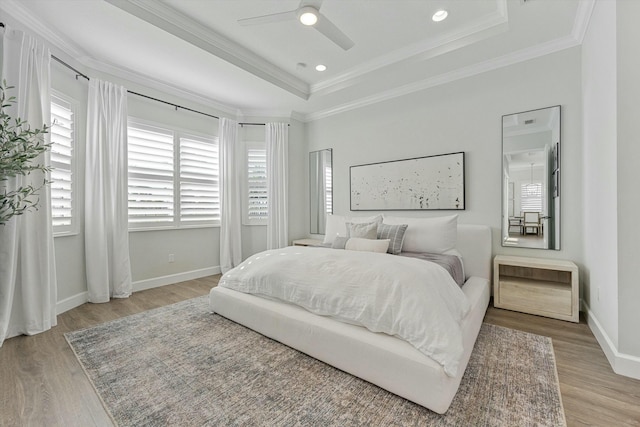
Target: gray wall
[466,115]
[600,166]
[195,250]
[628,70]
[610,66]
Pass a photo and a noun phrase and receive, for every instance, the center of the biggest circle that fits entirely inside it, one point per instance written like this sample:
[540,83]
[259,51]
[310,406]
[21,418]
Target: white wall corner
[156,282]
[622,364]
[583,16]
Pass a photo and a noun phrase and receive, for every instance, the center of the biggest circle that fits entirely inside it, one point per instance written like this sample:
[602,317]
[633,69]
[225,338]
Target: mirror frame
[545,157]
[317,219]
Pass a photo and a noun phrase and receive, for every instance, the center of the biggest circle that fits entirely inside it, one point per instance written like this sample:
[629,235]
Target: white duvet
[412,299]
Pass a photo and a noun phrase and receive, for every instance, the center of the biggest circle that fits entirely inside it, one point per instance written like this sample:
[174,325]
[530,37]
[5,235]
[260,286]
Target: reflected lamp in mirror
[531,179]
[320,189]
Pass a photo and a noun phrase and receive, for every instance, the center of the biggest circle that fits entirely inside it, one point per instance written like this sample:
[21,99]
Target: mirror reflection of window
[320,189]
[530,145]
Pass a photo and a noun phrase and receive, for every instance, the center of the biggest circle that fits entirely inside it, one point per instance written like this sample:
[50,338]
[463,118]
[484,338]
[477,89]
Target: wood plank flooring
[42,384]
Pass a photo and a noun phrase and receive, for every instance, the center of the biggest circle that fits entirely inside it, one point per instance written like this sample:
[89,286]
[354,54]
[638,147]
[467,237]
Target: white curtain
[230,196]
[106,218]
[277,142]
[27,264]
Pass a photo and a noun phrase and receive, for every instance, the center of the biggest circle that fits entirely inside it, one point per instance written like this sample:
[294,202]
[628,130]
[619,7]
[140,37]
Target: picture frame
[556,183]
[422,183]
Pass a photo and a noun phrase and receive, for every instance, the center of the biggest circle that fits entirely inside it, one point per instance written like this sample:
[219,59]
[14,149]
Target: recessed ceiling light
[308,15]
[321,67]
[440,15]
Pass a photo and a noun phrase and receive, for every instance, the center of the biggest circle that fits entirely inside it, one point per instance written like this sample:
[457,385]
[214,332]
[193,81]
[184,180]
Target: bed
[384,360]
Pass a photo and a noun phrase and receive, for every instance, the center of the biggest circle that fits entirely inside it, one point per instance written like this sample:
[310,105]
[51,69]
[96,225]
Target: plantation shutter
[531,197]
[151,172]
[328,190]
[257,183]
[199,180]
[62,145]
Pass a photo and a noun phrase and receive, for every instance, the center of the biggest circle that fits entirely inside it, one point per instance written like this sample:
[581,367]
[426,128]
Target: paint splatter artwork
[424,183]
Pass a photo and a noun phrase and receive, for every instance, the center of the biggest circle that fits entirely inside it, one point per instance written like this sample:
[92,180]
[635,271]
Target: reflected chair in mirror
[516,221]
[531,222]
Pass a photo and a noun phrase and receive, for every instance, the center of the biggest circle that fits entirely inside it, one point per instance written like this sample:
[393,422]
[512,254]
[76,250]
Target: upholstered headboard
[474,243]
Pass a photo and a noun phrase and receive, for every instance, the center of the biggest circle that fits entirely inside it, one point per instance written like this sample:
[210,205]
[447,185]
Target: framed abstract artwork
[422,183]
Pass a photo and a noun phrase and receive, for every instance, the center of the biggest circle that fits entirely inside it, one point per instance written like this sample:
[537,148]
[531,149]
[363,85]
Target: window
[328,190]
[62,165]
[256,190]
[150,175]
[173,178]
[199,186]
[531,197]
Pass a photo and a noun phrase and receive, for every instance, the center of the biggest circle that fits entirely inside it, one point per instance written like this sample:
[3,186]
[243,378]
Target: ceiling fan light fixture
[440,15]
[308,15]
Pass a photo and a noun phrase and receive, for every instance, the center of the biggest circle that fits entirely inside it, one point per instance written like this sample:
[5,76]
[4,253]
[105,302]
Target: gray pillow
[395,234]
[339,242]
[362,231]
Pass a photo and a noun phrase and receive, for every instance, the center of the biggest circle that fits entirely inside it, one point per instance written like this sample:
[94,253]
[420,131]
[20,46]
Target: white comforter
[412,299]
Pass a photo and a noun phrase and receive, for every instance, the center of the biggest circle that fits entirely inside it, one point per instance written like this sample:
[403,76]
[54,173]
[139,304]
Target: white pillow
[435,235]
[367,245]
[336,225]
[366,230]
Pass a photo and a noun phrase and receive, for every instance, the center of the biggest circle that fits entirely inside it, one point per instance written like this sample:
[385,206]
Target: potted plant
[19,147]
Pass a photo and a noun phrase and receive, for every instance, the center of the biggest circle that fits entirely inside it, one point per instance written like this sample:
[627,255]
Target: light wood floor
[42,384]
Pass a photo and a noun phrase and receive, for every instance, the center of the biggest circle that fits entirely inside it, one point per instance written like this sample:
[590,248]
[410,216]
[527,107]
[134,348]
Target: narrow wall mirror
[320,189]
[531,179]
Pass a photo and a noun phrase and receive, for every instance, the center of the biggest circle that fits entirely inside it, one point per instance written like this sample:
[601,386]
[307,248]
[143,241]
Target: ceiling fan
[308,13]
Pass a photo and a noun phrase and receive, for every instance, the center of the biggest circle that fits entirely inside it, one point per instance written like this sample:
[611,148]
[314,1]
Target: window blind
[199,180]
[531,197]
[328,190]
[257,207]
[62,145]
[151,175]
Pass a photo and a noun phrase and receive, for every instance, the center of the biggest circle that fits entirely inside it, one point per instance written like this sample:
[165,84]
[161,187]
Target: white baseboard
[621,363]
[71,302]
[79,299]
[155,282]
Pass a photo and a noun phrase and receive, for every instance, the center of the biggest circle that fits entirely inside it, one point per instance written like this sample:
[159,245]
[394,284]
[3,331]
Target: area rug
[181,365]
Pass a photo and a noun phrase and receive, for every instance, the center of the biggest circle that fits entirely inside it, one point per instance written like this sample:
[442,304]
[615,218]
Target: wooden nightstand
[544,287]
[308,242]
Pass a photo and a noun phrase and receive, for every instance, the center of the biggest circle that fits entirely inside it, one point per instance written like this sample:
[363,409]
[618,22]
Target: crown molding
[89,64]
[583,17]
[173,22]
[22,15]
[461,73]
[266,114]
[145,81]
[487,26]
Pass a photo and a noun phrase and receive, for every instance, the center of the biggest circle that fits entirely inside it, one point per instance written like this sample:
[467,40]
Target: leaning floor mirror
[531,179]
[320,189]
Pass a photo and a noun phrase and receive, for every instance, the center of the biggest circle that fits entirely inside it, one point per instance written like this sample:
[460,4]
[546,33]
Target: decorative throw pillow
[395,234]
[335,225]
[339,242]
[367,245]
[364,231]
[436,235]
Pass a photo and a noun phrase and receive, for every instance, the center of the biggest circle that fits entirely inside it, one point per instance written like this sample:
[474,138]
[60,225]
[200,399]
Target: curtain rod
[176,106]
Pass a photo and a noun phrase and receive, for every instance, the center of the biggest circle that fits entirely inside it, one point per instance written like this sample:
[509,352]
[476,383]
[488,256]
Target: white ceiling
[197,49]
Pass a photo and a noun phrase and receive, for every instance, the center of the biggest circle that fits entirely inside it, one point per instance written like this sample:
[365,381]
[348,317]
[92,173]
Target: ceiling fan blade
[333,33]
[267,19]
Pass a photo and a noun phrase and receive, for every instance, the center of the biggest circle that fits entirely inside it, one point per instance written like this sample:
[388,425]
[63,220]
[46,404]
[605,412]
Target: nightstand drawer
[536,297]
[538,286]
